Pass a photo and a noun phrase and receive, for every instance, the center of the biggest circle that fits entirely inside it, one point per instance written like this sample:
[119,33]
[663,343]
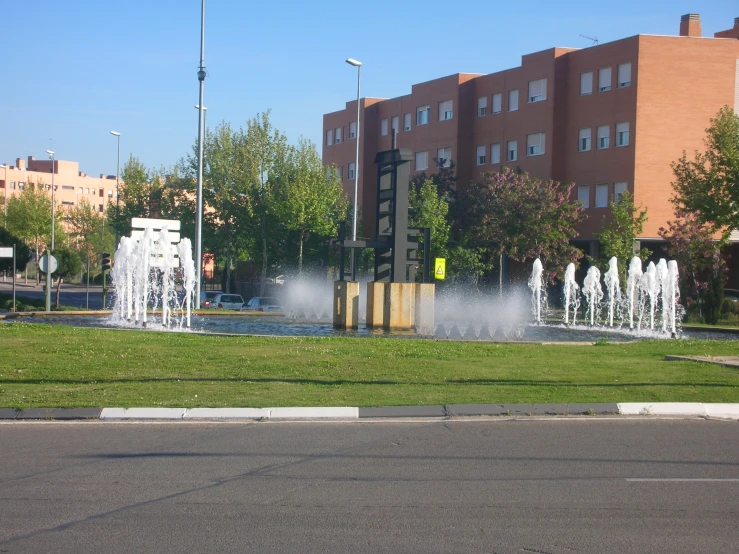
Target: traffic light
[106,261]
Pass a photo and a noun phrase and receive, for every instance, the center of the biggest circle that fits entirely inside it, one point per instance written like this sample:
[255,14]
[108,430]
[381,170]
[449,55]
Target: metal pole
[48,257]
[14,249]
[199,203]
[87,287]
[356,160]
[117,179]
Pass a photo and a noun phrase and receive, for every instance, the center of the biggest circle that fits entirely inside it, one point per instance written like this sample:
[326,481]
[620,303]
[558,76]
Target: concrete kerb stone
[59,413]
[142,413]
[662,408]
[303,413]
[8,413]
[227,413]
[403,411]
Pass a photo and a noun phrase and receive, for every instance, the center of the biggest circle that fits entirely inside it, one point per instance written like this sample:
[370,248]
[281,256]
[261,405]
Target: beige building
[608,118]
[71,185]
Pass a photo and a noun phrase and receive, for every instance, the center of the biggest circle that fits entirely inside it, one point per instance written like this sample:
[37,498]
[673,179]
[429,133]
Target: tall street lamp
[358,65]
[48,258]
[117,178]
[199,202]
[205,117]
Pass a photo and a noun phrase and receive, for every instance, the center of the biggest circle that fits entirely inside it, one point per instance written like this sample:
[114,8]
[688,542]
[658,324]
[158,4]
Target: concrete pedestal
[346,305]
[401,306]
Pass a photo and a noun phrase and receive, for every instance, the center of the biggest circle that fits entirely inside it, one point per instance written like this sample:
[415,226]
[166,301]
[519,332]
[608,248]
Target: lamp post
[358,65]
[117,177]
[205,116]
[199,202]
[48,257]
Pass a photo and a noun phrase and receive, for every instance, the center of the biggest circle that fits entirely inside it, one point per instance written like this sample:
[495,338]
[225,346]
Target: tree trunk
[264,258]
[58,287]
[500,274]
[300,257]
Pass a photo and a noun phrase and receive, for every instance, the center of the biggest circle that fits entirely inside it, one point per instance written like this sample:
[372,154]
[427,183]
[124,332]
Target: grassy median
[60,366]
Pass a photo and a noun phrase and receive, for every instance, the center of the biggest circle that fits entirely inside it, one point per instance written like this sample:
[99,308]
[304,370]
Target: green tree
[513,214]
[618,234]
[22,252]
[29,216]
[69,266]
[310,199]
[429,208]
[708,186]
[87,231]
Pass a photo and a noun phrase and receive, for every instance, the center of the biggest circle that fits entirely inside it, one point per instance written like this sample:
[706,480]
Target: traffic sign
[48,261]
[6,251]
[440,269]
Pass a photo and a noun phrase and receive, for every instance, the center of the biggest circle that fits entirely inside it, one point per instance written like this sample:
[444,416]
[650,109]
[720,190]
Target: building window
[79,190]
[586,83]
[12,185]
[601,196]
[583,140]
[341,172]
[445,110]
[353,130]
[624,75]
[87,191]
[497,102]
[100,208]
[110,194]
[395,124]
[67,203]
[495,153]
[482,106]
[337,136]
[67,187]
[535,144]
[444,157]
[422,115]
[481,155]
[407,122]
[512,154]
[422,161]
[537,90]
[604,137]
[513,100]
[21,185]
[622,134]
[604,79]
[329,139]
[352,167]
[618,190]
[583,195]
[383,127]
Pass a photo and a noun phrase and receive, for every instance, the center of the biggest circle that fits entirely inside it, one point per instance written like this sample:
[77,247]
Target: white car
[228,301]
[263,304]
[207,297]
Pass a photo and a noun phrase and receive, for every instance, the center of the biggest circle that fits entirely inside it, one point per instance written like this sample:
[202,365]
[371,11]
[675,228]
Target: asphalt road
[585,485]
[70,295]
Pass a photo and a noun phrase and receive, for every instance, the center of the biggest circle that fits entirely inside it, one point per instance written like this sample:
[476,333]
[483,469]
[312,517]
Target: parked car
[263,304]
[207,297]
[279,280]
[732,294]
[228,301]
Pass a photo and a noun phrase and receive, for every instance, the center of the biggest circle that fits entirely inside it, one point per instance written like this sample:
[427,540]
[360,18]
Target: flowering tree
[513,214]
[698,255]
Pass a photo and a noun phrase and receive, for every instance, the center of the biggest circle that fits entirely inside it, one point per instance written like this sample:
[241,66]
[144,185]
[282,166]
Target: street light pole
[199,202]
[5,200]
[117,177]
[205,117]
[358,65]
[48,257]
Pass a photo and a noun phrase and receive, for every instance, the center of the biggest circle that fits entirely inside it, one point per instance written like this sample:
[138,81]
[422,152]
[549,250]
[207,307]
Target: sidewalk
[672,409]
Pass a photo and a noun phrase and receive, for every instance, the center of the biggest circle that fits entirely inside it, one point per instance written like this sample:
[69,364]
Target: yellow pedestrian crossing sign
[440,269]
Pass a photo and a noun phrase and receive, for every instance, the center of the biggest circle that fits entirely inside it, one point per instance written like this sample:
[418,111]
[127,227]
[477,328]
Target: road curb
[674,409]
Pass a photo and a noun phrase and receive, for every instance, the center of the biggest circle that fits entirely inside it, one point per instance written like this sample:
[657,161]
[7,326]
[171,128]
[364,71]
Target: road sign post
[440,269]
[48,264]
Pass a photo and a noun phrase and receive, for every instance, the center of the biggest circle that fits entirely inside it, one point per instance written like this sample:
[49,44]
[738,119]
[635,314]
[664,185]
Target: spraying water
[632,286]
[147,272]
[613,287]
[593,292]
[572,296]
[670,296]
[536,284]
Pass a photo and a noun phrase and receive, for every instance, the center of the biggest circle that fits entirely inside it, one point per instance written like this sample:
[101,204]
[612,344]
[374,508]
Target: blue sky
[75,70]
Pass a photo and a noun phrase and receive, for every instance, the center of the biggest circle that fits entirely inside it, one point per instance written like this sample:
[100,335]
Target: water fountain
[613,287]
[593,293]
[537,284]
[151,272]
[632,286]
[572,294]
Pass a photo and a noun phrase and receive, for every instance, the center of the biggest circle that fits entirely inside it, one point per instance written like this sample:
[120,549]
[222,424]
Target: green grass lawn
[54,365]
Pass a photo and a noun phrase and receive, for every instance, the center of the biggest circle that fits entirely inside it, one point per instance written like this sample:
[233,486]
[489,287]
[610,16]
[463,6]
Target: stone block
[346,305]
[375,304]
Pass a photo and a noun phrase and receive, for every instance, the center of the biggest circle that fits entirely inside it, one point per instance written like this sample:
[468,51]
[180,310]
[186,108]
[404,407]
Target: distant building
[71,185]
[610,118]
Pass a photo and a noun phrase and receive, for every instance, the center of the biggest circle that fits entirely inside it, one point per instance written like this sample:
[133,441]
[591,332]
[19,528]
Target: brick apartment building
[609,118]
[71,185]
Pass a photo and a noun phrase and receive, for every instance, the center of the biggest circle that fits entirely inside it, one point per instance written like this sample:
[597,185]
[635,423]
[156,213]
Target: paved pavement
[501,485]
[70,295]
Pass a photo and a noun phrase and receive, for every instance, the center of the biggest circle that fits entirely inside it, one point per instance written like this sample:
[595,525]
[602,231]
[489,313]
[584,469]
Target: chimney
[690,25]
[20,163]
[730,33]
